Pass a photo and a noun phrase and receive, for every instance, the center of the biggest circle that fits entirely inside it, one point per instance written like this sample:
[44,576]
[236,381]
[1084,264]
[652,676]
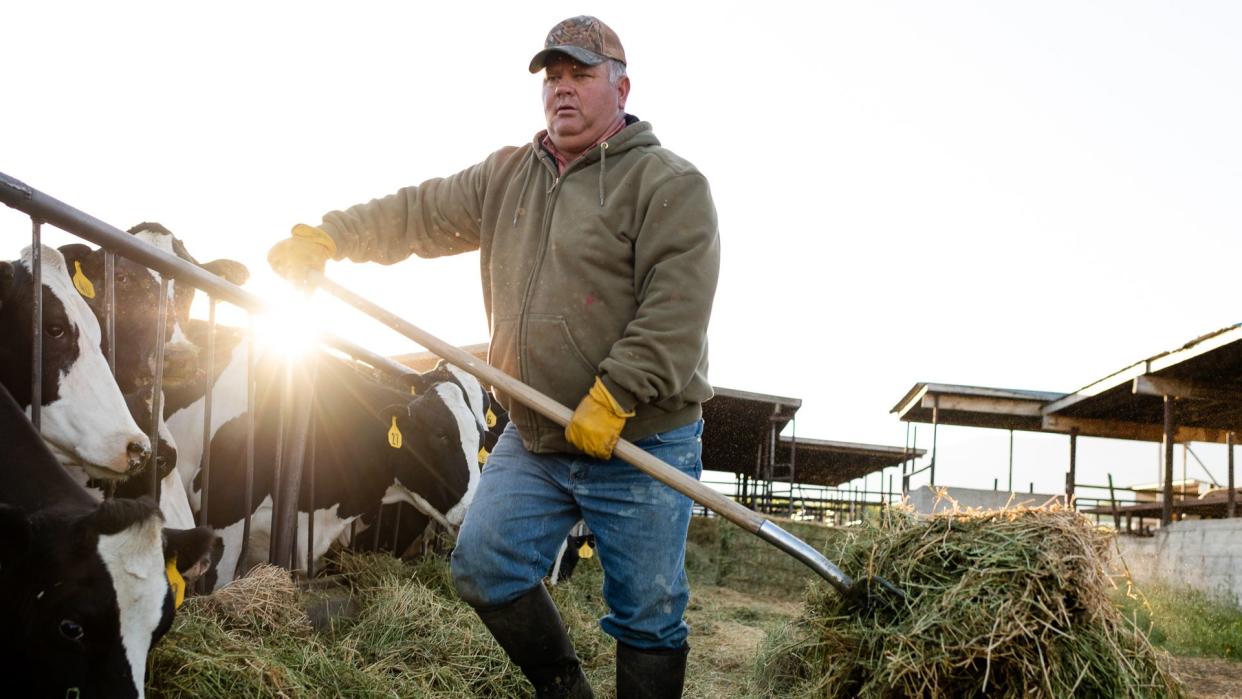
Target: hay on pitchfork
[1011,603]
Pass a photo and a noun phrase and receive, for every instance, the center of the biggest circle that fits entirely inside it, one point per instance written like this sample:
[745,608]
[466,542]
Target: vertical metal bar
[36,330]
[379,519]
[1011,461]
[310,500]
[301,393]
[1166,509]
[935,430]
[1112,497]
[109,295]
[250,421]
[905,458]
[157,389]
[793,454]
[1233,495]
[274,554]
[1073,467]
[396,531]
[207,400]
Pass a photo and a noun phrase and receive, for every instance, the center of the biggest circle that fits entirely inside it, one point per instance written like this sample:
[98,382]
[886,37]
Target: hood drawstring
[603,151]
[530,164]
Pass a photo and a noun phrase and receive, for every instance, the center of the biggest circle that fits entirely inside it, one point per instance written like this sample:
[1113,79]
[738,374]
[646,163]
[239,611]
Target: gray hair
[616,71]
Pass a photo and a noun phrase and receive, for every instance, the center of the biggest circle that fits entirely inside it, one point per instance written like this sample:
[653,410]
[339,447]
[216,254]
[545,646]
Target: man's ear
[623,91]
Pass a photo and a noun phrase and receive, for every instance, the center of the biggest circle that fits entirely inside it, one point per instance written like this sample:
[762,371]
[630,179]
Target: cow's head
[85,597]
[137,307]
[439,446]
[84,417]
[477,397]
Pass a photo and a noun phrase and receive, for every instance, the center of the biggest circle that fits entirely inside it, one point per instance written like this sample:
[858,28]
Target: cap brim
[579,54]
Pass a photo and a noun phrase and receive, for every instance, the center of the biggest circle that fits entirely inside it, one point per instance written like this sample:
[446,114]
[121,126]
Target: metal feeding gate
[295,434]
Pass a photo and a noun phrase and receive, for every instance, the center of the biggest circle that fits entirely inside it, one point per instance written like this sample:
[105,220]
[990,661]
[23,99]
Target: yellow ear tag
[176,582]
[491,418]
[585,550]
[483,454]
[81,283]
[413,391]
[394,434]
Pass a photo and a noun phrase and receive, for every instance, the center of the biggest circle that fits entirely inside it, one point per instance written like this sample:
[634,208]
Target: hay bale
[1000,604]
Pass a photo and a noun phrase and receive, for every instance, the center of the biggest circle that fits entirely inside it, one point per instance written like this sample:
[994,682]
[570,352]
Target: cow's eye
[55,330]
[71,630]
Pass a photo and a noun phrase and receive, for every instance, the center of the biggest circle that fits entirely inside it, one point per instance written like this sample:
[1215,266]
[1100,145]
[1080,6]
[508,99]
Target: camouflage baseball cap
[584,39]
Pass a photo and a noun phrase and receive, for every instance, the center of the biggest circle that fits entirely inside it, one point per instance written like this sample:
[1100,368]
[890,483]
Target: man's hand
[305,249]
[596,424]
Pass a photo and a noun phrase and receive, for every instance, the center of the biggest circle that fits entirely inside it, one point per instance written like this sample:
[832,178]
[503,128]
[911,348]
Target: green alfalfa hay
[409,636]
[999,604]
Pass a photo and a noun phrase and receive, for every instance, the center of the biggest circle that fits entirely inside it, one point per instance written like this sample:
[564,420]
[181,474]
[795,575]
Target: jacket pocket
[554,363]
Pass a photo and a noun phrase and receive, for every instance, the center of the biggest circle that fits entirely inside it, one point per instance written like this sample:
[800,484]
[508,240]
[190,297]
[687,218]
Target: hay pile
[1000,604]
[406,635]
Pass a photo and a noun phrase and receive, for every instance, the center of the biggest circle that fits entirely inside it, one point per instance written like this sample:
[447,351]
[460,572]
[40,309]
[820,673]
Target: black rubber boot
[650,674]
[530,630]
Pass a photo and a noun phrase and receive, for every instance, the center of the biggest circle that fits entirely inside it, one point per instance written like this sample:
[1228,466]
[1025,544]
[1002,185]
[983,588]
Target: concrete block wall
[1203,554]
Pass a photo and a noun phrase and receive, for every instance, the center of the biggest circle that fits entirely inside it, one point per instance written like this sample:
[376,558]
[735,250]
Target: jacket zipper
[550,199]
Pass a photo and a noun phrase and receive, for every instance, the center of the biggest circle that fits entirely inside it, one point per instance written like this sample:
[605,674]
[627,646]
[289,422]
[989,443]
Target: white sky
[1022,195]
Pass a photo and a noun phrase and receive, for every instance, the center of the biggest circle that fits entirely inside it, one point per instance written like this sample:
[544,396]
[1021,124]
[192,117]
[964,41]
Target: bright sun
[291,326]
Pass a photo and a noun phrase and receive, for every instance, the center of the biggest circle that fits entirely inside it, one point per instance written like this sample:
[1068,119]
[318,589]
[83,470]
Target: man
[599,258]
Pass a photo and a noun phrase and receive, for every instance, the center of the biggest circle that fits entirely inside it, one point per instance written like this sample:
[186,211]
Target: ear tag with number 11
[394,434]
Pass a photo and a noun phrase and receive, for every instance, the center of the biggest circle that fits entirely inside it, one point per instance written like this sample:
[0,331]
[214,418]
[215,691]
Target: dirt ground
[1210,678]
[727,626]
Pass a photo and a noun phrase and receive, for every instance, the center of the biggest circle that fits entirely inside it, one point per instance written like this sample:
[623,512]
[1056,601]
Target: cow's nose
[138,454]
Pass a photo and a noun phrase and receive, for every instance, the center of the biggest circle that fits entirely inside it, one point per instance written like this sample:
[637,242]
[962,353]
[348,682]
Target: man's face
[579,103]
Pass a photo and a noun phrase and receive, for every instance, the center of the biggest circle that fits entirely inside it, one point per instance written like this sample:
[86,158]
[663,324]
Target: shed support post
[935,429]
[1166,510]
[1073,467]
[1233,495]
[1011,461]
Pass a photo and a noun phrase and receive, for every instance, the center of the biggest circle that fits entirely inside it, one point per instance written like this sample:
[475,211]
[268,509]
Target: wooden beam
[1191,390]
[1120,429]
[978,404]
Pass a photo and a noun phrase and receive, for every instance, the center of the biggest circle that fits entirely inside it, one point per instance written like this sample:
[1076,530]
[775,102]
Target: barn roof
[975,406]
[829,463]
[1204,375]
[737,422]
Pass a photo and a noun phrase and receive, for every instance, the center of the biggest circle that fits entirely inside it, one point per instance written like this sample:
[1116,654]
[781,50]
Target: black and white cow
[84,417]
[137,291]
[84,591]
[434,466]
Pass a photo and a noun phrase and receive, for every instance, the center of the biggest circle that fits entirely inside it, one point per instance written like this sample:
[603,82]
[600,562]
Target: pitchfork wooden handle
[745,518]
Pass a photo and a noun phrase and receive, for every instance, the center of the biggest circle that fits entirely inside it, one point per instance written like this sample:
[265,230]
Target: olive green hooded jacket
[608,270]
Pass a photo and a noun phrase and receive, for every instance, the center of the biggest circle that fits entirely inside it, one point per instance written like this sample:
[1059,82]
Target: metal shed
[1190,394]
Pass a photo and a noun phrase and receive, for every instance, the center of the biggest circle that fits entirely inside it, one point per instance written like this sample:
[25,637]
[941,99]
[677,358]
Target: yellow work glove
[305,249]
[596,424]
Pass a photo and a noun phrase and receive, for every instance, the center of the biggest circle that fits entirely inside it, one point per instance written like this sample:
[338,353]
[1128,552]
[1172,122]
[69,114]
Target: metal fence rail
[42,208]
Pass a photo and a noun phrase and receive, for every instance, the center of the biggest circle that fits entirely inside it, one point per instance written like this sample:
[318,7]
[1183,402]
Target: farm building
[1189,394]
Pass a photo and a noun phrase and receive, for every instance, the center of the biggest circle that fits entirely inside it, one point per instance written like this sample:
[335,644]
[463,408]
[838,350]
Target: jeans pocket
[685,433]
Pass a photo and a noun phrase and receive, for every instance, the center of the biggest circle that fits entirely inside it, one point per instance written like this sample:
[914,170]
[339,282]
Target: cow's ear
[15,537]
[75,252]
[188,547]
[118,514]
[6,278]
[418,383]
[232,271]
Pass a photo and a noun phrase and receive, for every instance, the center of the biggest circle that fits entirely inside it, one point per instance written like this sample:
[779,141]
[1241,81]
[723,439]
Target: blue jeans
[526,504]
